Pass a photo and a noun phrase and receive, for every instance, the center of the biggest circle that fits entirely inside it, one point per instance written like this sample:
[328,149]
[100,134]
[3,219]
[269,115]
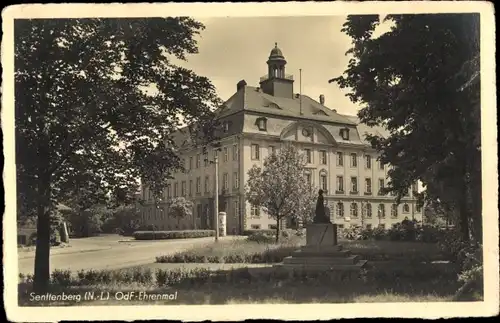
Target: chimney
[241,84]
[322,99]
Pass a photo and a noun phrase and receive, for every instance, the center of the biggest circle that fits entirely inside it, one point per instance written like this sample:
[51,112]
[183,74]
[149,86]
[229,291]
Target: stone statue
[321,216]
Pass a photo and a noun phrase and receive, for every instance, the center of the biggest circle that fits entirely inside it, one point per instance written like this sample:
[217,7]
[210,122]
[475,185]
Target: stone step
[323,267]
[321,253]
[331,248]
[349,260]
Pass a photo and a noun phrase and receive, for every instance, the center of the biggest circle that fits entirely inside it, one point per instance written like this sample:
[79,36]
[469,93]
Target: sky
[234,49]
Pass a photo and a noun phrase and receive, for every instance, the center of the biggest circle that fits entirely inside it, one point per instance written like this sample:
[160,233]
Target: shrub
[250,232]
[160,235]
[379,233]
[261,238]
[61,277]
[352,233]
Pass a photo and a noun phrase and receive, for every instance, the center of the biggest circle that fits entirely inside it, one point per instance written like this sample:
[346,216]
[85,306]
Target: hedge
[184,234]
[259,231]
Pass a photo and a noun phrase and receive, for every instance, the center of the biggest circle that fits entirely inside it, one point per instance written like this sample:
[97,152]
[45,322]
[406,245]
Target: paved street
[108,253]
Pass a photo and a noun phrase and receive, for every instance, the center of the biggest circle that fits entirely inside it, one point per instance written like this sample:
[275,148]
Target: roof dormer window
[344,133]
[261,124]
[225,126]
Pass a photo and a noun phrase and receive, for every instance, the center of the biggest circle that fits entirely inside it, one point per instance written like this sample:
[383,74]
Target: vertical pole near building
[300,90]
[216,210]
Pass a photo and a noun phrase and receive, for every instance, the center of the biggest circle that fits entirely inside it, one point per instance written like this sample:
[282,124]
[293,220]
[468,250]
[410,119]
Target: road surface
[107,253]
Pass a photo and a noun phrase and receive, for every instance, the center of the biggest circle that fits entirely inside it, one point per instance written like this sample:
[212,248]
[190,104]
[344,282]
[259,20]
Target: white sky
[232,49]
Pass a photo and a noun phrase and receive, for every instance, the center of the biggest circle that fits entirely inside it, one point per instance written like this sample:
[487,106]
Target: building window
[255,226]
[419,208]
[183,188]
[368,210]
[344,133]
[225,126]
[271,150]
[322,154]
[225,181]
[406,208]
[235,152]
[382,226]
[271,226]
[190,187]
[340,226]
[381,186]
[198,185]
[176,189]
[190,162]
[323,181]
[340,184]
[368,161]
[354,160]
[309,158]
[381,211]
[354,210]
[368,226]
[236,209]
[205,159]
[368,185]
[207,184]
[340,209]
[226,154]
[255,152]
[255,211]
[308,178]
[262,124]
[354,185]
[236,180]
[198,161]
[406,193]
[198,210]
[169,191]
[340,158]
[394,211]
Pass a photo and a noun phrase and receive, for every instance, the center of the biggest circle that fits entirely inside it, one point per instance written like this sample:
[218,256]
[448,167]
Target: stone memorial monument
[322,250]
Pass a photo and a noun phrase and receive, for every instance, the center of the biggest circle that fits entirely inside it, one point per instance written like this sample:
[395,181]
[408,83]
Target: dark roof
[252,99]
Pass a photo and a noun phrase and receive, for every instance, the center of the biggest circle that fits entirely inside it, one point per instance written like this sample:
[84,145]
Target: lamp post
[216,211]
[216,193]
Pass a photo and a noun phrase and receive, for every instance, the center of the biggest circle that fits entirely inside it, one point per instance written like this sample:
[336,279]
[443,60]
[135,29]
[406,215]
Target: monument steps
[350,260]
[321,253]
[324,267]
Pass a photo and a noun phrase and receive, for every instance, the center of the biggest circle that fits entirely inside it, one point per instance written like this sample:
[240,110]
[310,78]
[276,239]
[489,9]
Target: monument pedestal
[322,251]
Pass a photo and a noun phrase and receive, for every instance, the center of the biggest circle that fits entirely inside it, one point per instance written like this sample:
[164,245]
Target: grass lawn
[243,251]
[232,286]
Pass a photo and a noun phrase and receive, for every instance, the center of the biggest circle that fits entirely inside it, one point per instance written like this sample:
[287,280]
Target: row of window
[173,191]
[323,157]
[323,184]
[195,162]
[366,210]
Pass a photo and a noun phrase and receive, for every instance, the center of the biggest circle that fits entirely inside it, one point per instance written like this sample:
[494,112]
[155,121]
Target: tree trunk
[42,253]
[277,229]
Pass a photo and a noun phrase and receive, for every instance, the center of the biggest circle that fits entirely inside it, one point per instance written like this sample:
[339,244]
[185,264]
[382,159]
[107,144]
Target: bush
[261,238]
[352,233]
[160,235]
[61,277]
[261,231]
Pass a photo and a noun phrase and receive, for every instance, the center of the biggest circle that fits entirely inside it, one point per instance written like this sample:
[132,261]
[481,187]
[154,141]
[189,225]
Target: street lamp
[216,206]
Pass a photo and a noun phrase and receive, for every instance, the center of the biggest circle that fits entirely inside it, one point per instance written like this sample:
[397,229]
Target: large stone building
[256,122]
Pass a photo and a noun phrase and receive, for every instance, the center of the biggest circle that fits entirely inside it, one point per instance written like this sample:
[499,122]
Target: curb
[69,252]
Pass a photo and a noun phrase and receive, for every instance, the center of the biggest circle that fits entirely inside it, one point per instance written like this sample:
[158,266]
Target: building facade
[258,121]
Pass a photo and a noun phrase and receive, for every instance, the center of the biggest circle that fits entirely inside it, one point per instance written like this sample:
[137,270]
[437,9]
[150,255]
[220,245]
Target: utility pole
[216,210]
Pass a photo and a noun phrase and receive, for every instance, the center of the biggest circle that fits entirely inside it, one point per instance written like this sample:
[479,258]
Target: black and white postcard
[232,161]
